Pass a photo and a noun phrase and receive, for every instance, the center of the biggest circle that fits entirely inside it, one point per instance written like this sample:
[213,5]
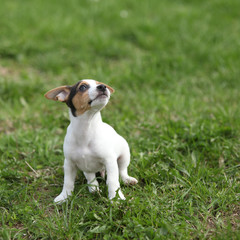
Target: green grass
[175,68]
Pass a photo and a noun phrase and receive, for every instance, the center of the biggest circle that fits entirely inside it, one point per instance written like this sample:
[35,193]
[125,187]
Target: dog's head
[85,95]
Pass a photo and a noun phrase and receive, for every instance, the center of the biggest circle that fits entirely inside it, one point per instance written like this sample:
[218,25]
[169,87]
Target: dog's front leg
[113,180]
[70,171]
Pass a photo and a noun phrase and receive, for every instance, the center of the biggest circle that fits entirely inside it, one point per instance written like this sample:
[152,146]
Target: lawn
[175,68]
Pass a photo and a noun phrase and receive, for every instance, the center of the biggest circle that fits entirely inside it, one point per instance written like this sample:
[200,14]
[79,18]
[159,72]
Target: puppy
[90,144]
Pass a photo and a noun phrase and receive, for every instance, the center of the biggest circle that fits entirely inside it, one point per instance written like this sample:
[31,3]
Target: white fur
[93,146]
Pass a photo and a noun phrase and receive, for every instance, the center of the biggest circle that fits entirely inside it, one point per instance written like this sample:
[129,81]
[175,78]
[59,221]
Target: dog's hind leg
[123,162]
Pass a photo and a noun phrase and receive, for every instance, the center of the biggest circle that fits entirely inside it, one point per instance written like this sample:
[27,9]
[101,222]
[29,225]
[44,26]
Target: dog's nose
[101,88]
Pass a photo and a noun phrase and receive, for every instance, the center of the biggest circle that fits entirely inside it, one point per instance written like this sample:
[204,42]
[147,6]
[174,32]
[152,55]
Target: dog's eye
[83,87]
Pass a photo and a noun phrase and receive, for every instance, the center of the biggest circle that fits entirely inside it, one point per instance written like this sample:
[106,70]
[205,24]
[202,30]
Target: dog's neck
[86,123]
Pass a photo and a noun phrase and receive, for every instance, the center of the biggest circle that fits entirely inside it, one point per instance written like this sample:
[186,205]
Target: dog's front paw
[130,180]
[61,198]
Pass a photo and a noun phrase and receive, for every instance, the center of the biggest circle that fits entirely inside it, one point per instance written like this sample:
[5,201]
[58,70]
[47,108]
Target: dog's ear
[110,89]
[59,94]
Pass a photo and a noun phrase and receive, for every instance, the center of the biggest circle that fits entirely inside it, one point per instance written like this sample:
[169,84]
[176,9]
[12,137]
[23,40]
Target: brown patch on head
[81,98]
[108,87]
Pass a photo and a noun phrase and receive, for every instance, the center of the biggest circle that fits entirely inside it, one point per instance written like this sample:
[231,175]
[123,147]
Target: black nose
[101,87]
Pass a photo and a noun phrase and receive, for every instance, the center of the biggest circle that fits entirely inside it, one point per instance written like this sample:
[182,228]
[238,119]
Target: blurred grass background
[175,68]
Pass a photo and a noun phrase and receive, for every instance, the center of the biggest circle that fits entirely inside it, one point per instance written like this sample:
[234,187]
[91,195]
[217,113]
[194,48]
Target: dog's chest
[84,155]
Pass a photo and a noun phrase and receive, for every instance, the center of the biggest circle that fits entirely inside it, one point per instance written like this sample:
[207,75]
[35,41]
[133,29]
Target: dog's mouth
[102,95]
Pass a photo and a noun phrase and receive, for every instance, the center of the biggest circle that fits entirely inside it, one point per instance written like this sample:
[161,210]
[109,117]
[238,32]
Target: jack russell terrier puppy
[90,144]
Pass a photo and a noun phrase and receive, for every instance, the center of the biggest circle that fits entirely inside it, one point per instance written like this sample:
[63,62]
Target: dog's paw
[61,198]
[130,180]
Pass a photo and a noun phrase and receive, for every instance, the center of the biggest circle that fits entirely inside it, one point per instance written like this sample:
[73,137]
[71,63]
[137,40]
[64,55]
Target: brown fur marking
[81,100]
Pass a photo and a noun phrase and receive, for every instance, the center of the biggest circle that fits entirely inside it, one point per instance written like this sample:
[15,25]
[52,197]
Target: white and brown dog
[90,144]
